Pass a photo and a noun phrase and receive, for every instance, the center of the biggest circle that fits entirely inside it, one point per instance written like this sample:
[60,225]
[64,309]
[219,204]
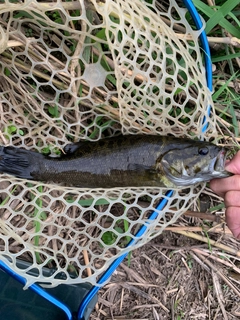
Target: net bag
[87,70]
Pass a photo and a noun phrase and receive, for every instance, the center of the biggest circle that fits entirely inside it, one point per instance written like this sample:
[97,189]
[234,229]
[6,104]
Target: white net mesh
[86,70]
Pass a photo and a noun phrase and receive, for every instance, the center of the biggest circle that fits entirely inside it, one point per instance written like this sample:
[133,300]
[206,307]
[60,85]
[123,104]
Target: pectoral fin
[137,167]
[73,147]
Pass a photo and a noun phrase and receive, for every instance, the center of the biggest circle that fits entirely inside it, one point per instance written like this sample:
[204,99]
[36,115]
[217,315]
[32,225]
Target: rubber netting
[85,70]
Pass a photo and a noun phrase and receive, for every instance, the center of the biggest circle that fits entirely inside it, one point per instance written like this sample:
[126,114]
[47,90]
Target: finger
[232,199]
[233,220]
[215,185]
[234,165]
[221,186]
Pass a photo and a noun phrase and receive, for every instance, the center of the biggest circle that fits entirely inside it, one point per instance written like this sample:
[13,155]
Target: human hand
[229,189]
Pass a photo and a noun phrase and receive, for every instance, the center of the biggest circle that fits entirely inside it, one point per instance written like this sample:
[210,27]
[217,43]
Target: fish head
[195,163]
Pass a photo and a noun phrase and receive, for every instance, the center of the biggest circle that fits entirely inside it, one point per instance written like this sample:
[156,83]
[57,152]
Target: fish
[121,161]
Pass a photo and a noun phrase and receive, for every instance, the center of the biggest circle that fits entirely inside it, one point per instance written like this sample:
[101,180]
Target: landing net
[86,70]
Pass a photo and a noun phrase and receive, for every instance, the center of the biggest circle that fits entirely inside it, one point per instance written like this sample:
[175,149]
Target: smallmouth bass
[122,161]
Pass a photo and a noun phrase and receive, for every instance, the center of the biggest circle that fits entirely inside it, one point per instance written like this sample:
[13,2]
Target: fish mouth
[215,169]
[217,164]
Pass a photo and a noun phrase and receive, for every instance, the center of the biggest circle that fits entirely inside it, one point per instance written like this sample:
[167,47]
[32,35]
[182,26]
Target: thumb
[233,166]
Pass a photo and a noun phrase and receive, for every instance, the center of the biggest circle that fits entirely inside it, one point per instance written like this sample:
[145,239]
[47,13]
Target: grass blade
[218,17]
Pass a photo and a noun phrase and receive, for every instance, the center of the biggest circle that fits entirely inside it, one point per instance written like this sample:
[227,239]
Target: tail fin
[16,162]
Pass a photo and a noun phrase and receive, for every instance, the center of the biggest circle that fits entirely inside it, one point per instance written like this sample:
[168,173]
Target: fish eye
[203,151]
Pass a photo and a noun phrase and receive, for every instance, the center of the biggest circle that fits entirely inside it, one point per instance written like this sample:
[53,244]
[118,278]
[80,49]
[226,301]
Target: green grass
[38,216]
[217,16]
[223,21]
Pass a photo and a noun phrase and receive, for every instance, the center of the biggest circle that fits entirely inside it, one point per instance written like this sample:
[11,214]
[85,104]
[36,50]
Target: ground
[174,277]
